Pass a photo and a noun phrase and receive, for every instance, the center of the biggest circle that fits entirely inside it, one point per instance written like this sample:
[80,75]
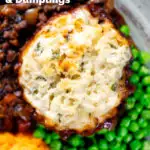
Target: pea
[143,71]
[133,127]
[135,145]
[55,136]
[140,134]
[146,81]
[127,138]
[148,89]
[143,123]
[82,143]
[138,93]
[56,145]
[135,66]
[40,126]
[123,147]
[133,114]
[135,53]
[125,122]
[144,57]
[115,146]
[110,136]
[91,136]
[125,30]
[147,130]
[145,100]
[48,139]
[93,147]
[119,138]
[72,148]
[134,79]
[66,147]
[122,131]
[131,98]
[130,101]
[75,140]
[39,133]
[138,107]
[146,114]
[103,145]
[102,131]
[140,86]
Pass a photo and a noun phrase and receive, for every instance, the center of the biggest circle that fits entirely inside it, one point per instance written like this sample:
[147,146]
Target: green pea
[143,123]
[56,145]
[140,86]
[125,122]
[138,107]
[125,30]
[110,136]
[135,145]
[135,53]
[102,131]
[147,131]
[40,126]
[145,100]
[122,131]
[91,136]
[72,148]
[146,114]
[131,98]
[55,136]
[148,89]
[82,142]
[140,134]
[143,71]
[133,114]
[123,147]
[39,133]
[135,66]
[130,102]
[103,145]
[48,139]
[66,147]
[115,146]
[93,147]
[75,140]
[127,138]
[144,57]
[119,138]
[133,127]
[138,93]
[146,81]
[134,79]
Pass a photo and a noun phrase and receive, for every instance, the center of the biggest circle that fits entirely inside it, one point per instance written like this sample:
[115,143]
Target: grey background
[137,16]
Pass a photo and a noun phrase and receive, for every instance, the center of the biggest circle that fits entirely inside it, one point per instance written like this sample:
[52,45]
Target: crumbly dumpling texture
[71,70]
